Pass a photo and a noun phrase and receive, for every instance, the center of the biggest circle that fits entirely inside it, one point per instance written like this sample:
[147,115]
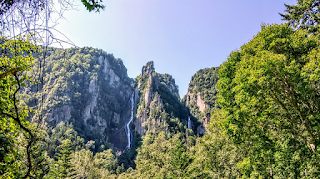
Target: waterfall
[128,124]
[189,123]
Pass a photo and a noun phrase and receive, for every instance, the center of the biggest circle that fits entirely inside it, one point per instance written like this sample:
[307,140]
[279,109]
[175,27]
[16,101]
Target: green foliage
[163,156]
[85,165]
[27,149]
[271,102]
[164,109]
[180,159]
[82,164]
[61,168]
[106,160]
[202,86]
[76,76]
[93,5]
[170,83]
[215,155]
[21,155]
[72,159]
[128,157]
[304,15]
[61,133]
[171,101]
[204,82]
[267,127]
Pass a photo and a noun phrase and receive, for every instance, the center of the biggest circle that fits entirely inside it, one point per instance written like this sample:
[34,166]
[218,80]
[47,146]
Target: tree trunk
[306,172]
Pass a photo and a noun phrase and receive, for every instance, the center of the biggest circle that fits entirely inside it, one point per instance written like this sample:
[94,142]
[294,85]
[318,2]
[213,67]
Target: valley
[75,113]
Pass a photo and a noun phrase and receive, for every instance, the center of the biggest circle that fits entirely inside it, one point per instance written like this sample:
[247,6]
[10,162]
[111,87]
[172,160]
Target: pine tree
[304,15]
[180,159]
[61,168]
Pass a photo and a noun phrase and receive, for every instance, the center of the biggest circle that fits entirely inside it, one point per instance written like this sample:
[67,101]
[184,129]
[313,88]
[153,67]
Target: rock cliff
[89,88]
[201,96]
[159,103]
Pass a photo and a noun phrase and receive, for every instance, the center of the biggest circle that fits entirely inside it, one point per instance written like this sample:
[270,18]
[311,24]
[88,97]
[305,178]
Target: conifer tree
[304,15]
[180,159]
[61,168]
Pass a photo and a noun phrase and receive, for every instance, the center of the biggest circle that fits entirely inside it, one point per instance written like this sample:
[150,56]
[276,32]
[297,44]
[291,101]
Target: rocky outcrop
[113,78]
[173,89]
[201,96]
[139,123]
[143,121]
[109,73]
[196,98]
[148,68]
[201,129]
[115,121]
[59,114]
[155,90]
[92,102]
[200,103]
[136,93]
[148,96]
[90,89]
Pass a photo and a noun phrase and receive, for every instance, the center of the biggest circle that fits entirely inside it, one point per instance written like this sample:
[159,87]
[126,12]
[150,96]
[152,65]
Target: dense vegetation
[203,82]
[202,86]
[72,79]
[263,103]
[270,92]
[160,100]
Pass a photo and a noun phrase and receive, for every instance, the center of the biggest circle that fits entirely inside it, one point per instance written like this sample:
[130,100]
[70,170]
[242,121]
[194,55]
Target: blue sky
[180,36]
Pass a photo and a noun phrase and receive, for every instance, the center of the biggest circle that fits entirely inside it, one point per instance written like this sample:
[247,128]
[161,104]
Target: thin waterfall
[189,123]
[128,124]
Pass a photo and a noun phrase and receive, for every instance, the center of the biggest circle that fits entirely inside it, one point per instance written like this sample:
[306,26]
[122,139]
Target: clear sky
[180,36]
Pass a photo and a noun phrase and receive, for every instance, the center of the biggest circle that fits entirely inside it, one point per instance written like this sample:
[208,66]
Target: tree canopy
[270,91]
[304,15]
[263,102]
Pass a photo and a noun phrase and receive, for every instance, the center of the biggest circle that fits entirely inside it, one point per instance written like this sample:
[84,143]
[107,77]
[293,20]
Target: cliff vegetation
[255,116]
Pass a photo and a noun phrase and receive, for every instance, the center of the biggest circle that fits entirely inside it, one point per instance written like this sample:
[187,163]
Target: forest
[64,112]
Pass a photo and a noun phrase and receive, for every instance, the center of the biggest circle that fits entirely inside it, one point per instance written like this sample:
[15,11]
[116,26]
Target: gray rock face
[109,72]
[196,98]
[136,93]
[147,97]
[92,102]
[202,95]
[148,117]
[201,129]
[140,122]
[200,103]
[115,121]
[143,120]
[148,68]
[59,114]
[173,89]
[93,95]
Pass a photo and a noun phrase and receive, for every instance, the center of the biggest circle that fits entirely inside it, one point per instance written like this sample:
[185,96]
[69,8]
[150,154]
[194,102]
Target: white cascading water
[128,124]
[189,123]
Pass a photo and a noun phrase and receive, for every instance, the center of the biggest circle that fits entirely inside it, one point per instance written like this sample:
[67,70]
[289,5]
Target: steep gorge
[91,89]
